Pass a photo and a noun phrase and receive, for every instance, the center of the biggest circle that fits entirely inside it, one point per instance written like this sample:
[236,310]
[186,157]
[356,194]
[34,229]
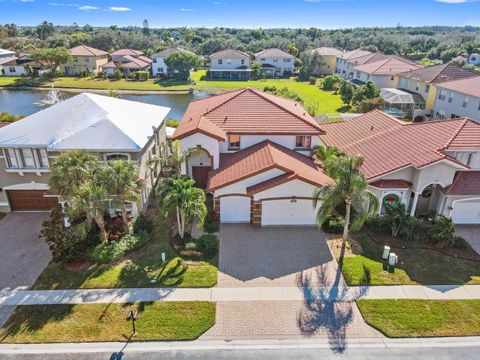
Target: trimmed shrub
[334,225]
[413,230]
[191,246]
[208,243]
[460,243]
[117,74]
[141,75]
[142,223]
[115,250]
[443,232]
[211,225]
[330,82]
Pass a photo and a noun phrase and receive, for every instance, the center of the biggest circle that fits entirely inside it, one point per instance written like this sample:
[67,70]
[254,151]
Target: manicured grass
[145,269]
[414,318]
[106,322]
[326,101]
[416,266]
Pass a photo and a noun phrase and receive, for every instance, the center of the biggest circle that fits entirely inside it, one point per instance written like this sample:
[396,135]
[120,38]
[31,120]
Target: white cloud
[27,0]
[187,10]
[87,8]
[119,8]
[455,1]
[62,4]
[219,3]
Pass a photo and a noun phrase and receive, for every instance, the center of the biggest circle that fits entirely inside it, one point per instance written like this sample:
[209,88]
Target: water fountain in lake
[53,97]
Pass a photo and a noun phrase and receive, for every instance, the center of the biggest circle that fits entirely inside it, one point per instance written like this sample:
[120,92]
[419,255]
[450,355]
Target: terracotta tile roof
[123,52]
[355,54]
[169,51]
[261,157]
[465,183]
[84,50]
[388,66]
[273,53]
[440,73]
[368,58]
[391,184]
[469,86]
[246,111]
[4,123]
[229,54]
[387,144]
[325,51]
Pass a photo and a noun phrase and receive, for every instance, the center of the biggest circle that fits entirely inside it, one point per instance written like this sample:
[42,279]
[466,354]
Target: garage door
[288,212]
[466,212]
[31,200]
[235,209]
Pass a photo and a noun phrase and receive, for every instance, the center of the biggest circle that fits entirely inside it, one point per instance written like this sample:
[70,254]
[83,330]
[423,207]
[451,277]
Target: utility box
[392,259]
[386,252]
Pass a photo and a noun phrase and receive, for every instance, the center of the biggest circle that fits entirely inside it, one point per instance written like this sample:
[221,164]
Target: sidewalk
[322,293]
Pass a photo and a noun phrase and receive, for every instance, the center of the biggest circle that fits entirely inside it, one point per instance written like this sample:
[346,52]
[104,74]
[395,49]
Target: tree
[367,105]
[179,195]
[71,170]
[171,156]
[330,82]
[396,217]
[121,178]
[180,63]
[256,69]
[370,90]
[45,30]
[292,49]
[346,91]
[146,28]
[350,189]
[327,154]
[51,57]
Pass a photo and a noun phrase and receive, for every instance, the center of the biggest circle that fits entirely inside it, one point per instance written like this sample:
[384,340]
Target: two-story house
[346,62]
[432,167]
[85,58]
[459,98]
[230,65]
[254,157]
[328,60]
[112,128]
[159,67]
[276,62]
[127,61]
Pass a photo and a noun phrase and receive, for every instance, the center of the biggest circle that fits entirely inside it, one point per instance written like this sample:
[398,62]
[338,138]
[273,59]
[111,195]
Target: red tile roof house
[253,157]
[128,61]
[432,167]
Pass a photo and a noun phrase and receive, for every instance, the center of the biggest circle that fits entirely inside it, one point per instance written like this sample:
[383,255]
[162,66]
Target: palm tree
[327,154]
[121,178]
[172,156]
[180,195]
[72,169]
[89,201]
[350,188]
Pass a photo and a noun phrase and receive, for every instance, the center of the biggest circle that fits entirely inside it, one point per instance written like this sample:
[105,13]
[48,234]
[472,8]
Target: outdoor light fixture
[133,316]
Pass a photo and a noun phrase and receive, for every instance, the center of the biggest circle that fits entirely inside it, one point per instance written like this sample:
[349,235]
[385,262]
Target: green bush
[330,82]
[117,74]
[141,75]
[443,232]
[115,250]
[378,224]
[191,246]
[211,225]
[142,223]
[460,243]
[333,225]
[413,230]
[208,243]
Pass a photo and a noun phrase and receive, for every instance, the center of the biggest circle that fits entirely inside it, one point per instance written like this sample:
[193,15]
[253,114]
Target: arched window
[112,157]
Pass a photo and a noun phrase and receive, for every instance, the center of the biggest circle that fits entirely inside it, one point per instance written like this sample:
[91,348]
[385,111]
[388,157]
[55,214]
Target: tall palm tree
[350,188]
[171,156]
[72,169]
[89,201]
[121,179]
[180,195]
[327,154]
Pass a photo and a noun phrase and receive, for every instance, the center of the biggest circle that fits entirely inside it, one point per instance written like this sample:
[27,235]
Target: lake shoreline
[99,91]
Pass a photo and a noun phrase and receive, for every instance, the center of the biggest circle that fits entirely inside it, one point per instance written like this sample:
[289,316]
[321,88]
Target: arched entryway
[426,202]
[199,166]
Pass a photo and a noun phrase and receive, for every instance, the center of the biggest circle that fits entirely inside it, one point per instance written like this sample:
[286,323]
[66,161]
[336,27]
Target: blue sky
[243,13]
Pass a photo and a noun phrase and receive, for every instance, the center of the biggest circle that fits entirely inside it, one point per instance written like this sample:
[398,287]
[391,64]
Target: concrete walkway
[321,293]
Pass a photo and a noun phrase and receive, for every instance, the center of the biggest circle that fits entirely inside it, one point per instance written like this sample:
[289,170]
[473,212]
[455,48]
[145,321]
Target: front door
[200,175]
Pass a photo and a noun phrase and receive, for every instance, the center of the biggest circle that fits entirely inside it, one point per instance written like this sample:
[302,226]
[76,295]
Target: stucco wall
[287,141]
[229,65]
[204,141]
[455,107]
[295,187]
[240,187]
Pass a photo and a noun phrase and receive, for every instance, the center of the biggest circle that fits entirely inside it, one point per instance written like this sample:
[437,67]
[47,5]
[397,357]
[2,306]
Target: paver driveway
[471,233]
[23,255]
[273,256]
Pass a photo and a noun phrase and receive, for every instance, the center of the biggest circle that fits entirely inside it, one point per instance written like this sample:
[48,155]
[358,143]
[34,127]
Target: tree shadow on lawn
[31,82]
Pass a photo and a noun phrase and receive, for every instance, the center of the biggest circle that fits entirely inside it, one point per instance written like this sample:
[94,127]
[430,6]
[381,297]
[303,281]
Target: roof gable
[84,50]
[273,53]
[230,53]
[440,73]
[387,66]
[469,86]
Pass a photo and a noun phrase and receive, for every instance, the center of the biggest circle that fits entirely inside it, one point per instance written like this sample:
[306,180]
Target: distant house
[329,57]
[474,59]
[23,66]
[230,65]
[346,62]
[127,61]
[6,55]
[459,98]
[276,62]
[159,67]
[85,58]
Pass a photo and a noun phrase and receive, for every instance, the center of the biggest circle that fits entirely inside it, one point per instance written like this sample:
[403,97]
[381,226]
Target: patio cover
[401,96]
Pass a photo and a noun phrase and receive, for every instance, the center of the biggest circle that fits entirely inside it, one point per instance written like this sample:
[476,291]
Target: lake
[27,102]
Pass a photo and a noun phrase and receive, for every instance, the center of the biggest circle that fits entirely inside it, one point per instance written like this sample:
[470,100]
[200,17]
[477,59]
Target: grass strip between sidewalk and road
[422,318]
[107,322]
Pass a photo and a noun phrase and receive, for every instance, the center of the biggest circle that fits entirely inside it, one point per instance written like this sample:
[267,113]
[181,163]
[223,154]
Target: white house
[230,65]
[254,157]
[432,167]
[474,59]
[276,62]
[346,62]
[23,66]
[459,98]
[111,128]
[6,55]
[158,60]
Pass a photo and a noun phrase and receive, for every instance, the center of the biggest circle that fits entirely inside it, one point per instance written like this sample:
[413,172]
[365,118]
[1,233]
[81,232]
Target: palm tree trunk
[101,225]
[179,224]
[182,217]
[347,220]
[123,208]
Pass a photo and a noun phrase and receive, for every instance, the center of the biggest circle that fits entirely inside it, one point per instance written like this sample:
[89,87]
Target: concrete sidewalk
[322,293]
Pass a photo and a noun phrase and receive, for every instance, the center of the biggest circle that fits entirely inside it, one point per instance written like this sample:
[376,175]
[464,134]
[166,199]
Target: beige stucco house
[85,57]
[329,57]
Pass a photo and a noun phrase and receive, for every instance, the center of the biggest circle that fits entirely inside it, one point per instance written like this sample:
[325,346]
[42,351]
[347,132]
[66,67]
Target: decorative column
[256,213]
[414,205]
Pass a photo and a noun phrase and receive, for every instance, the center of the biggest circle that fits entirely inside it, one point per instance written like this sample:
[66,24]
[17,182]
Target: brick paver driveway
[273,256]
[23,255]
[471,233]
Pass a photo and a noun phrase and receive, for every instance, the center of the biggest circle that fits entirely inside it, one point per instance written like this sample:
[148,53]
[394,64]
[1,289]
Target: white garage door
[288,212]
[466,212]
[235,209]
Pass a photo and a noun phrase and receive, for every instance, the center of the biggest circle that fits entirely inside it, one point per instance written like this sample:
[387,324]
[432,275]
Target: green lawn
[145,269]
[327,102]
[416,267]
[414,318]
[106,322]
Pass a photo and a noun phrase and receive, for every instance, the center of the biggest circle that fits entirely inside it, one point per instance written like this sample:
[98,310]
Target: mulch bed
[385,239]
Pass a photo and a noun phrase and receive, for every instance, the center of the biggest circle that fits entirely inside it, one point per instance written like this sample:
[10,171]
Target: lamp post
[133,316]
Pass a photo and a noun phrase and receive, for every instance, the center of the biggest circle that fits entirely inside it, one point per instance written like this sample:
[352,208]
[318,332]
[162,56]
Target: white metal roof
[401,96]
[87,121]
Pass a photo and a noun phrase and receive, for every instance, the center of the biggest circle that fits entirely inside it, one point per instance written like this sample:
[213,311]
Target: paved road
[324,354]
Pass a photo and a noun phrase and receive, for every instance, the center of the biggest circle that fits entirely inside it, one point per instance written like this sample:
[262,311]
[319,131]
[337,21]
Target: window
[287,60]
[26,155]
[427,88]
[303,142]
[417,87]
[229,61]
[112,157]
[87,60]
[450,98]
[220,61]
[154,60]
[465,102]
[242,61]
[12,69]
[12,162]
[478,105]
[42,158]
[262,59]
[233,142]
[275,60]
[441,95]
[358,74]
